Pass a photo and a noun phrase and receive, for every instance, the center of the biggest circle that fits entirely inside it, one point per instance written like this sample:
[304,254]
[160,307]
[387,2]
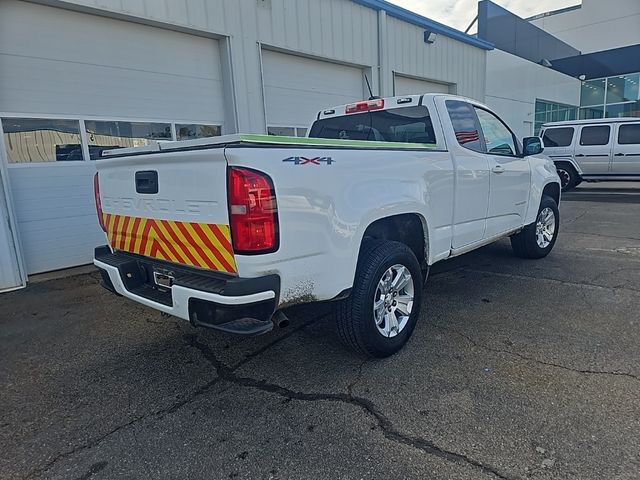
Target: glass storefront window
[589,113]
[105,135]
[553,112]
[190,131]
[282,131]
[624,110]
[592,92]
[623,88]
[36,140]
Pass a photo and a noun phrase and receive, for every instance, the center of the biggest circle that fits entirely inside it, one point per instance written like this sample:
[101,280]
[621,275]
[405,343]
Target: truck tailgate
[170,206]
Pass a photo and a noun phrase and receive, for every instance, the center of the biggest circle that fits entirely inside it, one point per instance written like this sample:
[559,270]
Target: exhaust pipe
[280,320]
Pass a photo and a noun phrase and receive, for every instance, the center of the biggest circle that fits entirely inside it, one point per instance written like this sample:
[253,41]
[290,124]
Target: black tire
[569,178]
[354,316]
[525,244]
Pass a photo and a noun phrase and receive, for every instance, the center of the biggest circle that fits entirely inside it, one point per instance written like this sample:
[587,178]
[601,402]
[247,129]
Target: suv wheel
[569,178]
[537,240]
[379,316]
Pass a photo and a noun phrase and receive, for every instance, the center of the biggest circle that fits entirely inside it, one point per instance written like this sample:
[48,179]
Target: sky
[460,13]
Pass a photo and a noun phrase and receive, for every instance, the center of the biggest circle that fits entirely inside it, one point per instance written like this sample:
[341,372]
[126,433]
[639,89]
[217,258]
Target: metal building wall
[446,60]
[337,30]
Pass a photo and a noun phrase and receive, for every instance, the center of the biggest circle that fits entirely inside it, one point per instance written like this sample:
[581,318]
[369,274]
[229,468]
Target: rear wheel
[569,178]
[379,316]
[537,239]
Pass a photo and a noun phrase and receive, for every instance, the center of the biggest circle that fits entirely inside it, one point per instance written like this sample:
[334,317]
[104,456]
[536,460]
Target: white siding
[446,60]
[408,86]
[597,25]
[514,84]
[9,270]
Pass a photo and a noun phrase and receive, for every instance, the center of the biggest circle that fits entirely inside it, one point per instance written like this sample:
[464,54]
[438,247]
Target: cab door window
[497,137]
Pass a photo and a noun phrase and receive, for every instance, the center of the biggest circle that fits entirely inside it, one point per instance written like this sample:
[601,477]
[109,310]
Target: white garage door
[297,88]
[411,86]
[123,83]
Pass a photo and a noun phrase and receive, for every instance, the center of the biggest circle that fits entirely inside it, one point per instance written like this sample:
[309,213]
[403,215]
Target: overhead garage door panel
[56,61]
[296,88]
[411,86]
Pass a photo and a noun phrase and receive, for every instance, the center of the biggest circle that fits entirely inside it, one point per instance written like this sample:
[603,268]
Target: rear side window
[406,125]
[558,137]
[595,135]
[629,134]
[465,124]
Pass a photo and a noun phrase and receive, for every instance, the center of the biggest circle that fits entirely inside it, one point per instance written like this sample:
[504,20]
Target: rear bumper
[205,298]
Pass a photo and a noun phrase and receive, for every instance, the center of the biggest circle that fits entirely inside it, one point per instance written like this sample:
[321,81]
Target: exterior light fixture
[429,37]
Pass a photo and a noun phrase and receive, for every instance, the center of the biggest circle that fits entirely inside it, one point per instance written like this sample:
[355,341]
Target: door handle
[498,169]
[619,155]
[580,155]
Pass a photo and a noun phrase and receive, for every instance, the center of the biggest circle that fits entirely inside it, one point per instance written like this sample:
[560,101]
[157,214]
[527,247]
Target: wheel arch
[409,228]
[571,161]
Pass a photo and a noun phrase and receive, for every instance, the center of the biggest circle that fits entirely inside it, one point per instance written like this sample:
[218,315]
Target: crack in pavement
[535,360]
[167,410]
[549,279]
[389,431]
[353,384]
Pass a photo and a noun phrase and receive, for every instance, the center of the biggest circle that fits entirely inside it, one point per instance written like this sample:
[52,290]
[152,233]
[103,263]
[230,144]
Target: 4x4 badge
[309,160]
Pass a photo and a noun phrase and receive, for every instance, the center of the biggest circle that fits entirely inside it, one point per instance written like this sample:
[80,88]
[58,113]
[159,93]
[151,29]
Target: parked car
[594,150]
[226,232]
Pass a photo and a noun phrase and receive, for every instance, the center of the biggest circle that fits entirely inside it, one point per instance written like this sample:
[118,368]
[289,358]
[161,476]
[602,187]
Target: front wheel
[379,316]
[569,178]
[537,239]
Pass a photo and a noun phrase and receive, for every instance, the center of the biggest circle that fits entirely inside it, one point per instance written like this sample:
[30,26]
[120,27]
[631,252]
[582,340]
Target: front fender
[543,173]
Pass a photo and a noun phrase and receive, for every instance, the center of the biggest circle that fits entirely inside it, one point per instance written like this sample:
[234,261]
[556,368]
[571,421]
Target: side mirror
[532,146]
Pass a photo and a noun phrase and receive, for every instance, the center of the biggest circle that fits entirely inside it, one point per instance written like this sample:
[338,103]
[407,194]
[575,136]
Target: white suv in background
[594,150]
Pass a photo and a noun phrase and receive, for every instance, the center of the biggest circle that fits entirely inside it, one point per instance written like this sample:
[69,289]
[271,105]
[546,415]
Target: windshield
[405,125]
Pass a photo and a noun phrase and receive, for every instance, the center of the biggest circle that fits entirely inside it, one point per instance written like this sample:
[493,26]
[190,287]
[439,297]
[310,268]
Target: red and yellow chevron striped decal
[200,245]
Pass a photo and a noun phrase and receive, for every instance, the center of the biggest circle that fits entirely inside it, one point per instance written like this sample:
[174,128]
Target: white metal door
[297,88]
[413,86]
[55,63]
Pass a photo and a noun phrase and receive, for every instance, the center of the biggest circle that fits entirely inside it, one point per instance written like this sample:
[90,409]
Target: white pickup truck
[226,232]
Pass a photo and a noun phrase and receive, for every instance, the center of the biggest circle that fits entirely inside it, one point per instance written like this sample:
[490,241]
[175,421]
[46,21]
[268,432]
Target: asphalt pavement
[517,369]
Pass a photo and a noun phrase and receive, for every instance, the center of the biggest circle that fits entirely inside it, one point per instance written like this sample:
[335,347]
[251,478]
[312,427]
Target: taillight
[367,106]
[96,194]
[253,212]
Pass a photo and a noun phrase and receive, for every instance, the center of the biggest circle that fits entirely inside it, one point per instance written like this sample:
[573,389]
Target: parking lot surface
[517,369]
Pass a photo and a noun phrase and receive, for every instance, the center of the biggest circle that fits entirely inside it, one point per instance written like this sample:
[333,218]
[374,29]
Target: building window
[623,110]
[589,113]
[105,135]
[595,135]
[611,97]
[190,131]
[553,112]
[623,89]
[287,131]
[36,140]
